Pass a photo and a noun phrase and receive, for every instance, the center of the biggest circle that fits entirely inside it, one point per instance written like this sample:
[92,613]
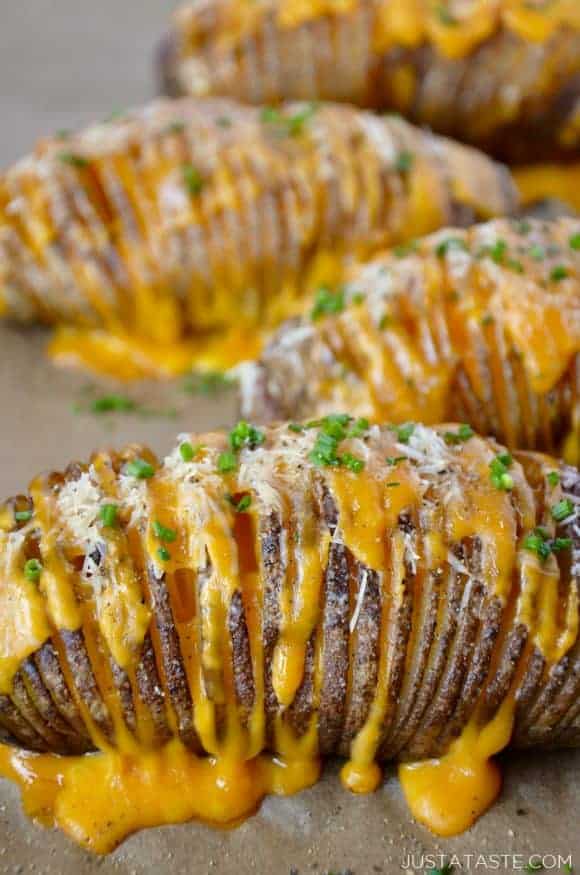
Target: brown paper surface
[61,64]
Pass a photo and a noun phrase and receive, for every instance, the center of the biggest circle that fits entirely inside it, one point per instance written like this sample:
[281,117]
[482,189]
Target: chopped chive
[574,241]
[188,452]
[140,469]
[32,570]
[242,505]
[450,243]
[291,125]
[357,298]
[168,536]
[558,273]
[405,249]
[226,462]
[386,320]
[193,179]
[394,460]
[359,428]
[515,265]
[112,404]
[245,435]
[296,427]
[559,544]
[522,226]
[392,484]
[539,543]
[562,509]
[207,383]
[403,432]
[352,463]
[463,433]
[108,515]
[404,161]
[537,252]
[22,516]
[327,303]
[553,478]
[176,127]
[488,319]
[164,554]
[498,472]
[496,251]
[73,160]
[445,16]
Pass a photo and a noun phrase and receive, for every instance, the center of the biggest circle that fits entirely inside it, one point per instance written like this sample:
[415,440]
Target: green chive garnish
[404,161]
[140,469]
[108,515]
[73,160]
[553,478]
[498,469]
[558,273]
[242,505]
[327,303]
[450,243]
[404,431]
[164,554]
[22,516]
[463,433]
[352,463]
[168,536]
[188,452]
[226,462]
[193,179]
[32,570]
[562,509]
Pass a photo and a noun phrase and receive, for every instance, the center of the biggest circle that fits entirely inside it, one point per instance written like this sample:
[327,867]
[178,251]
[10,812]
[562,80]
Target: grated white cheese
[79,503]
[426,448]
[359,600]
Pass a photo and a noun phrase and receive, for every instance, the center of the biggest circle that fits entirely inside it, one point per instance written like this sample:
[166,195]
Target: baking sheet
[61,64]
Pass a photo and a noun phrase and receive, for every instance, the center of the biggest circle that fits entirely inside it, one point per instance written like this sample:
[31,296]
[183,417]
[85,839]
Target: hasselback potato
[189,216]
[374,591]
[480,325]
[501,74]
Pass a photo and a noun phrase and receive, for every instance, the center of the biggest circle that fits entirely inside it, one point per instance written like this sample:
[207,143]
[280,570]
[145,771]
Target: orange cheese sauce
[538,181]
[100,799]
[449,794]
[133,782]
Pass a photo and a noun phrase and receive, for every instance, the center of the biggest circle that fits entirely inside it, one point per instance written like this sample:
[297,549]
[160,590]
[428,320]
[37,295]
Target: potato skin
[455,643]
[465,97]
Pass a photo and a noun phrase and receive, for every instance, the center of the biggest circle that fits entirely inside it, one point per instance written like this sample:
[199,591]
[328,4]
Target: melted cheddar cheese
[177,529]
[538,181]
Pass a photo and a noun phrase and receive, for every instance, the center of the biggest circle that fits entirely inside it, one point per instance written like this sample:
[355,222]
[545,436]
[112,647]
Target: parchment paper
[63,63]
